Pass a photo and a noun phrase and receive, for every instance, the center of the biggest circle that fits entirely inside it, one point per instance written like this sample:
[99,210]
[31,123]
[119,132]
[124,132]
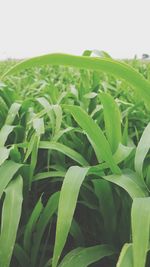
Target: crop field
[75,162]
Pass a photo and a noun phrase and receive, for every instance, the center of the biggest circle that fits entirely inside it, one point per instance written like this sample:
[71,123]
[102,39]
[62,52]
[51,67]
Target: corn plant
[74,162]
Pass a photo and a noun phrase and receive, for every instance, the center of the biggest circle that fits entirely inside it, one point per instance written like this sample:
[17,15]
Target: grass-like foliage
[75,162]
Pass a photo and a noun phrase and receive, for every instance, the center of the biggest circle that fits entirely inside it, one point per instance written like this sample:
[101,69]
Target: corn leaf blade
[112,118]
[116,68]
[83,257]
[142,149]
[140,215]
[7,171]
[65,150]
[11,213]
[67,203]
[125,257]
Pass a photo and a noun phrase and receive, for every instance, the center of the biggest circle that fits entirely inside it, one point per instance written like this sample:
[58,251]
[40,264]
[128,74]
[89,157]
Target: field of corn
[75,162]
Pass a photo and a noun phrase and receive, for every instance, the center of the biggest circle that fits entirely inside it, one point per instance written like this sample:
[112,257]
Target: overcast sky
[34,27]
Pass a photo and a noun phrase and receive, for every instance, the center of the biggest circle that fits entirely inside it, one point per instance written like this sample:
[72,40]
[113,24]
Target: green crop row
[75,162]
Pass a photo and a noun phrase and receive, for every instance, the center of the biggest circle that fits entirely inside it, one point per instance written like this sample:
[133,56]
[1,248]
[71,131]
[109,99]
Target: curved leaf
[65,150]
[125,258]
[126,182]
[83,257]
[116,68]
[44,175]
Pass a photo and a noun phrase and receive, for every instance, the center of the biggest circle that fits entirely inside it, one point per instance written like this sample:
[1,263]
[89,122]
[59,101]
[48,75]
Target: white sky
[34,27]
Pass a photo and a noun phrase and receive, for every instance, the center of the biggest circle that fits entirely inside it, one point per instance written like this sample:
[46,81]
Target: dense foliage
[75,162]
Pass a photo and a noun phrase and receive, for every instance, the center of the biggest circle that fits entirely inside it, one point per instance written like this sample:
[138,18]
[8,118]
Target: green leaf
[21,256]
[112,118]
[104,194]
[11,213]
[30,146]
[62,132]
[83,257]
[140,215]
[76,233]
[44,175]
[125,257]
[67,203]
[4,133]
[12,113]
[38,125]
[44,219]
[48,109]
[95,136]
[65,150]
[142,149]
[34,155]
[116,68]
[4,154]
[128,183]
[58,114]
[122,153]
[7,171]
